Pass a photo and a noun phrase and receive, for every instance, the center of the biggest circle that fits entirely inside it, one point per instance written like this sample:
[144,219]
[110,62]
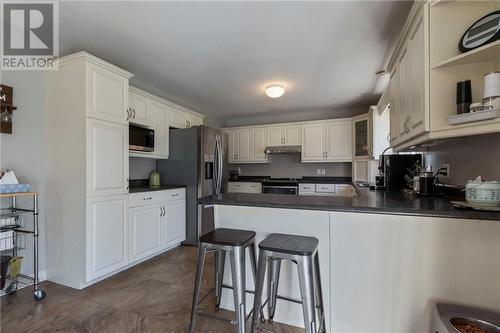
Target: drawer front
[244,187]
[325,188]
[176,194]
[307,189]
[154,197]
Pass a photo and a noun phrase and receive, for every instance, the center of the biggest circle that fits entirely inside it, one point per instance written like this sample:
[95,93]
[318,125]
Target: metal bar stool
[221,241]
[303,251]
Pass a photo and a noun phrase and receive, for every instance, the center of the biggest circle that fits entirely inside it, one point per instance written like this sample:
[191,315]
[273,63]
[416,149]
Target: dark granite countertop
[305,179]
[375,202]
[139,189]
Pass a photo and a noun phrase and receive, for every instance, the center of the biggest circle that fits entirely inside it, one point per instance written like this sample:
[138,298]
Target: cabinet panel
[361,138]
[394,108]
[243,147]
[108,95]
[107,158]
[160,125]
[417,81]
[291,135]
[139,110]
[275,136]
[338,141]
[178,119]
[232,137]
[361,170]
[313,143]
[106,235]
[259,141]
[144,231]
[175,222]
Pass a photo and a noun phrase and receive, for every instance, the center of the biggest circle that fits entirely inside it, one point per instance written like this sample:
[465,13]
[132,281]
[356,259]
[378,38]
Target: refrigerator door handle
[218,165]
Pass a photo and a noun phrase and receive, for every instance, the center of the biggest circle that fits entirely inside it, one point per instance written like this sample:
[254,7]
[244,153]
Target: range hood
[282,150]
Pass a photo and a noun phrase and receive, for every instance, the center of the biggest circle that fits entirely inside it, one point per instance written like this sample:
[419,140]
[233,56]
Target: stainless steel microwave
[141,139]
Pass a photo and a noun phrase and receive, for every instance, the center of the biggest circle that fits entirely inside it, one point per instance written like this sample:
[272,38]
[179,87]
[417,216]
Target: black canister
[464,96]
[426,180]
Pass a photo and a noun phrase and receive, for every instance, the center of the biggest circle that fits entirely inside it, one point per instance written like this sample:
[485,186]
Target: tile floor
[154,296]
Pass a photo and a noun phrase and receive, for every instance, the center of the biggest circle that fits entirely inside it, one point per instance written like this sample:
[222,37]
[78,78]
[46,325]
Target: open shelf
[481,54]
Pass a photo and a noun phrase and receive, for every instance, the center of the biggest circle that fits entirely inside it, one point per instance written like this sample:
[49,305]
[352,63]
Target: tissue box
[14,188]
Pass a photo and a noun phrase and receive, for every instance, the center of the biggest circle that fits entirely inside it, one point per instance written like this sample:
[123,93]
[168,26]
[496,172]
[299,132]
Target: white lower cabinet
[174,223]
[144,231]
[106,235]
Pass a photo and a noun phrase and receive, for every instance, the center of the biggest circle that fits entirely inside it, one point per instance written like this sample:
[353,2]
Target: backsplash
[139,168]
[468,158]
[289,165]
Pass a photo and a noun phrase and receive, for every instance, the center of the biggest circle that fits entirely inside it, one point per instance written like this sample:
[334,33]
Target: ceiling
[217,57]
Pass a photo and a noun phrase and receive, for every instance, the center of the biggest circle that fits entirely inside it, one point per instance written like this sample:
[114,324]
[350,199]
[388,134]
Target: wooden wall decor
[6,104]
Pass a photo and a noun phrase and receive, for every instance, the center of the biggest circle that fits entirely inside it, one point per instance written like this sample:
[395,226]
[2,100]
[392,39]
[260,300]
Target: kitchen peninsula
[393,252]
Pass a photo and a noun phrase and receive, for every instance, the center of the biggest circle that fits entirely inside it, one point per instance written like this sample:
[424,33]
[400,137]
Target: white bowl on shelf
[483,193]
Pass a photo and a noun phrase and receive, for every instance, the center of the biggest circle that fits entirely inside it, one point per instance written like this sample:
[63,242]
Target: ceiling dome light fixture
[275,91]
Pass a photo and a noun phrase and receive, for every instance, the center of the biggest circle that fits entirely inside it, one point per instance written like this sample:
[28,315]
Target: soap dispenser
[154,178]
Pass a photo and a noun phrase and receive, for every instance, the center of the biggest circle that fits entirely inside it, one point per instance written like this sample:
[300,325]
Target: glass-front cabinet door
[361,138]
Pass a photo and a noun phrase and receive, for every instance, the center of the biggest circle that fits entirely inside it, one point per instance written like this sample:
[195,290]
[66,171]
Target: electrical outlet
[445,173]
[318,172]
[323,172]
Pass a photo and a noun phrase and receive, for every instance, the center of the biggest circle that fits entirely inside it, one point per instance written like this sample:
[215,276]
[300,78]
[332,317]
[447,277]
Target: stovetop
[280,182]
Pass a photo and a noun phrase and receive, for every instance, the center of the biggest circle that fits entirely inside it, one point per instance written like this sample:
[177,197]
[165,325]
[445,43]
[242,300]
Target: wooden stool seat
[291,244]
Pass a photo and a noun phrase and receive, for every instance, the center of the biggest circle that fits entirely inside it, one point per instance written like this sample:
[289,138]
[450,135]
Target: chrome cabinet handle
[128,183]
[149,198]
[175,194]
[128,113]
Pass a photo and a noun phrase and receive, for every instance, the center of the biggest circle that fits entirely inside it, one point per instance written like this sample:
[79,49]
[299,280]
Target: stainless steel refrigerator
[197,159]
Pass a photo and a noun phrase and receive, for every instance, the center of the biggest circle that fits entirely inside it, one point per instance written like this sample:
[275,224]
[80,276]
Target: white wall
[24,150]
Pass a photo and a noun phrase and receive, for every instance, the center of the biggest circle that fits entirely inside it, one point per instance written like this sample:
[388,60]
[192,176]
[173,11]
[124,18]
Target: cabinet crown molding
[85,56]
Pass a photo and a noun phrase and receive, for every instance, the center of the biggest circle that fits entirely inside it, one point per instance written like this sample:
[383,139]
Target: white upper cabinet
[106,235]
[416,55]
[160,124]
[247,145]
[362,136]
[313,142]
[259,144]
[138,112]
[284,135]
[107,158]
[327,141]
[338,141]
[275,134]
[181,119]
[107,94]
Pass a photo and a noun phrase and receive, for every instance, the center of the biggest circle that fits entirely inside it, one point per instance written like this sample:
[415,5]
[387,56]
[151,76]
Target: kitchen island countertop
[374,202]
[139,189]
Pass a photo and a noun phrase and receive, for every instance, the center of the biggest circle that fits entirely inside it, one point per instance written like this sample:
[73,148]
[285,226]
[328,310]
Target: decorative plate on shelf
[14,188]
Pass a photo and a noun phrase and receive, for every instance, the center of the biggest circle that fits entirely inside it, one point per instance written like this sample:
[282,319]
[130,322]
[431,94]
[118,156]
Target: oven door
[141,139]
[280,189]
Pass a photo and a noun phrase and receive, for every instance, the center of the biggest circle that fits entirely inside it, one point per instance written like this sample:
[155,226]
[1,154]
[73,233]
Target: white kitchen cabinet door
[232,142]
[175,222]
[144,231]
[107,158]
[313,142]
[178,119]
[361,170]
[259,144]
[243,147]
[160,116]
[106,235]
[107,95]
[275,135]
[394,109]
[404,96]
[338,141]
[416,50]
[138,110]
[291,135]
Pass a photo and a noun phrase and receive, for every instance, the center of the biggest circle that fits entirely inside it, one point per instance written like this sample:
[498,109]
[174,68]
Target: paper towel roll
[492,84]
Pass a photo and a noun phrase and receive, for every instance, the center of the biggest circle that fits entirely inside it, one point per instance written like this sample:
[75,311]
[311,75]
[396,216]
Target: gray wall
[24,150]
[468,157]
[289,165]
[139,168]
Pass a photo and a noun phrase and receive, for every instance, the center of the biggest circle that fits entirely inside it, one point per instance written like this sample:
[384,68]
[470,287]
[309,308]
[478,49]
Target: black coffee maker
[393,168]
